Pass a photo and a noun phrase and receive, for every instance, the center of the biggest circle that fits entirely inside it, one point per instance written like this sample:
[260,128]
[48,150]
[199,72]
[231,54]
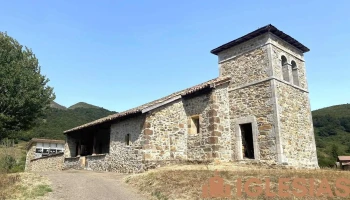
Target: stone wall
[122,157]
[243,48]
[30,156]
[96,163]
[165,132]
[72,163]
[246,65]
[255,103]
[70,147]
[169,135]
[47,163]
[298,140]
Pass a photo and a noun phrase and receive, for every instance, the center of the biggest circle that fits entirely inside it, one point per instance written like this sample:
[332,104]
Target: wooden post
[94,146]
[79,148]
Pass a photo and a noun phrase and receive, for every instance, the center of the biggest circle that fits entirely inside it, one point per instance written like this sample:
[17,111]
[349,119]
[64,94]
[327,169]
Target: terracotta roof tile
[344,158]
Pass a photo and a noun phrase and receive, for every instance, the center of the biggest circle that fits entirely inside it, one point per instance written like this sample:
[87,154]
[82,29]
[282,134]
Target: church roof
[151,105]
[269,28]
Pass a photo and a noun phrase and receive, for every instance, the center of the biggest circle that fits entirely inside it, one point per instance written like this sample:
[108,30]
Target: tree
[24,95]
[335,151]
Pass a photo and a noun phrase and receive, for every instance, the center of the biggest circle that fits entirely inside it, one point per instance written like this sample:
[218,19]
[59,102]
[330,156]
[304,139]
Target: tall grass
[7,181]
[9,164]
[11,159]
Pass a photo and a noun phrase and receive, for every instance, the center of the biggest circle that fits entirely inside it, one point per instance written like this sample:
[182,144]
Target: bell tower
[268,98]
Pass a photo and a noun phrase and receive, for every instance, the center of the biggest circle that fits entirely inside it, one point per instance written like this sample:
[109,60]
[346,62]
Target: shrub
[6,163]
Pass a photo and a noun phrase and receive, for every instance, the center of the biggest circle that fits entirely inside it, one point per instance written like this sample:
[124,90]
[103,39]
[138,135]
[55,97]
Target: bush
[19,166]
[324,162]
[7,162]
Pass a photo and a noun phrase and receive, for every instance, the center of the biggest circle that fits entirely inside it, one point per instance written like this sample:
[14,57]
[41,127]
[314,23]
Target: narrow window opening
[295,73]
[127,139]
[194,125]
[247,141]
[285,68]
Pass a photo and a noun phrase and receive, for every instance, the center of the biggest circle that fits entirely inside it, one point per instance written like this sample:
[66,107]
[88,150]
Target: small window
[194,125]
[285,68]
[38,150]
[127,139]
[52,151]
[295,73]
[45,152]
[283,60]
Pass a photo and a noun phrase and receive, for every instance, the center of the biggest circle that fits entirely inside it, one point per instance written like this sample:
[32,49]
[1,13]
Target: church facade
[256,110]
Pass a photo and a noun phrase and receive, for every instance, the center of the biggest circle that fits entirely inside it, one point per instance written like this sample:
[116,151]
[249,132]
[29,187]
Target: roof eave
[269,28]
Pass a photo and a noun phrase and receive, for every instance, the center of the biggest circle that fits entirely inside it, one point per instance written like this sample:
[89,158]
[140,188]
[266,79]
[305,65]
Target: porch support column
[79,147]
[94,146]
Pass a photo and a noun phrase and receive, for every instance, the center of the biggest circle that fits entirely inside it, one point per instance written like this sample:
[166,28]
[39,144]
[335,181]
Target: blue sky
[121,54]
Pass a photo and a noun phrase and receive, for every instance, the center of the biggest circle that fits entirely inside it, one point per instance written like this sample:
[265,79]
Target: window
[194,125]
[285,68]
[283,60]
[45,152]
[52,151]
[38,150]
[295,73]
[127,139]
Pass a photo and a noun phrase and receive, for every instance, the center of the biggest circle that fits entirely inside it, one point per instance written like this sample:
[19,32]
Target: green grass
[41,190]
[38,191]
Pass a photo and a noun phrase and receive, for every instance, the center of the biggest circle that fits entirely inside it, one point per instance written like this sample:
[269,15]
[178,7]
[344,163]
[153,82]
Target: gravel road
[89,185]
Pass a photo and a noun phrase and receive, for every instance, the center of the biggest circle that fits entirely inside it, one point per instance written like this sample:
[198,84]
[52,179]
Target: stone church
[257,111]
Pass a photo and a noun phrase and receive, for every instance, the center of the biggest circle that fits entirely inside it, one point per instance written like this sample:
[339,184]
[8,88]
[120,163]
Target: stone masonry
[257,110]
[49,163]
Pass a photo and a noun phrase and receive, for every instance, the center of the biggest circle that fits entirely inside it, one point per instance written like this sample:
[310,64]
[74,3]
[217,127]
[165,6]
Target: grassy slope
[23,186]
[185,182]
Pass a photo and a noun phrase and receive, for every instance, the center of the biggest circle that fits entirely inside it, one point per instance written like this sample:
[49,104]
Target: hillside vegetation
[59,119]
[332,132]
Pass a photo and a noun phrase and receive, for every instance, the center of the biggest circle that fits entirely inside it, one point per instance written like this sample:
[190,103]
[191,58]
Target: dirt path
[88,185]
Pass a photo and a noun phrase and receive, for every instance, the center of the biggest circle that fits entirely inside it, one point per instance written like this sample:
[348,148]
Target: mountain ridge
[59,118]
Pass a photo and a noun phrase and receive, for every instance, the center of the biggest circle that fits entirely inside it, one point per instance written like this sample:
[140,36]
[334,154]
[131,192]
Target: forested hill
[59,118]
[332,131]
